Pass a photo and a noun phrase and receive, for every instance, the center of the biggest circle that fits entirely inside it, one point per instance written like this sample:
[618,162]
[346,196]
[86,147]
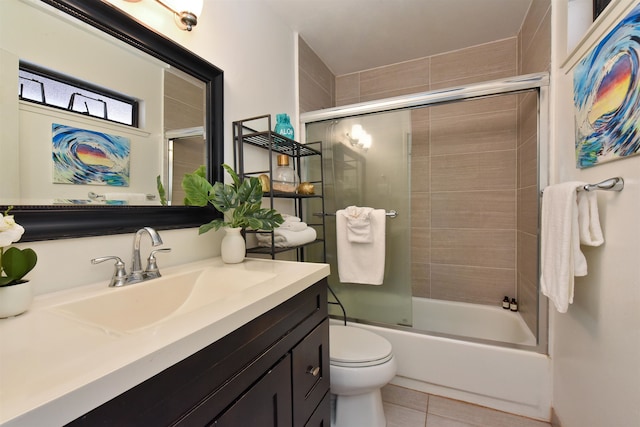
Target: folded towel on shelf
[561,257]
[290,218]
[359,224]
[287,238]
[361,262]
[293,226]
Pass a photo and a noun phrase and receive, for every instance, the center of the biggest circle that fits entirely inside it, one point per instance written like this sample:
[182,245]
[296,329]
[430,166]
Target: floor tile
[400,416]
[405,397]
[477,415]
[437,421]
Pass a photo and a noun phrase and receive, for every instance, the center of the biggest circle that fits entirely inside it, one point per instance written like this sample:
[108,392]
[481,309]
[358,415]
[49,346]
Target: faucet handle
[119,274]
[152,271]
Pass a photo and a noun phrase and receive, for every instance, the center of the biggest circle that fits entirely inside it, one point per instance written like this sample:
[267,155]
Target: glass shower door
[370,173]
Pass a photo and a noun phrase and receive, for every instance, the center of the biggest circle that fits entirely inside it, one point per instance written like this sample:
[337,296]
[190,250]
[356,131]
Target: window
[56,90]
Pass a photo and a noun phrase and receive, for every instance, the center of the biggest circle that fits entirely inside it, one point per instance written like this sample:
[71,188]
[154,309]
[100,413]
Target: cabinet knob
[313,371]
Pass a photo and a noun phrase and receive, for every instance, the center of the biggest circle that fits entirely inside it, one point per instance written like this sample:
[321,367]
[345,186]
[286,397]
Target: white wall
[595,346]
[93,59]
[244,39]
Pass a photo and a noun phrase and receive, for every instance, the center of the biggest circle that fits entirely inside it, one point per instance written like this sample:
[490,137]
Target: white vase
[233,247]
[15,299]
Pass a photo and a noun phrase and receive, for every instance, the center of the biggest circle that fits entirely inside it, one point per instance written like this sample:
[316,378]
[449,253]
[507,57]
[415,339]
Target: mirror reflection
[94,161]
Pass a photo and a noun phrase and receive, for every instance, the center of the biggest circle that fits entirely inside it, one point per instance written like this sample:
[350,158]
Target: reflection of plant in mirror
[14,263]
[161,193]
[242,198]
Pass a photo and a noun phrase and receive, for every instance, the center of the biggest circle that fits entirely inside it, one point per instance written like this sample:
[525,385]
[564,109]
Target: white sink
[141,305]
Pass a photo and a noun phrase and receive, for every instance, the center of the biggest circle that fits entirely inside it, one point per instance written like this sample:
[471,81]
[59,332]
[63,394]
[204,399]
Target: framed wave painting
[83,156]
[607,96]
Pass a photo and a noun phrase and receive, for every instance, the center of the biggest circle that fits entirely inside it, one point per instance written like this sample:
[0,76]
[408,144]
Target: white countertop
[54,368]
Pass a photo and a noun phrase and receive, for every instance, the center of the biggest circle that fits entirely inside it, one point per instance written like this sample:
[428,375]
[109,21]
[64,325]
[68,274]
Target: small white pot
[233,247]
[15,299]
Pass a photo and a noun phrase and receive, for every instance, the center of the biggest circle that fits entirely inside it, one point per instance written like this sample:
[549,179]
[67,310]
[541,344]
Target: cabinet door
[266,404]
[310,372]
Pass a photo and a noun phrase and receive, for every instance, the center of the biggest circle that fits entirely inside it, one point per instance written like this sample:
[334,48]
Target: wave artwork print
[607,96]
[83,156]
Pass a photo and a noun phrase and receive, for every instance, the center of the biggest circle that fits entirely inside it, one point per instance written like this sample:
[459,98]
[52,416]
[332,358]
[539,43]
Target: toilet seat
[355,347]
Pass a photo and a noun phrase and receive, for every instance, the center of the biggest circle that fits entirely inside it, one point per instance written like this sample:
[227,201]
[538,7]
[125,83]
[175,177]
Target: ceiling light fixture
[186,12]
[359,138]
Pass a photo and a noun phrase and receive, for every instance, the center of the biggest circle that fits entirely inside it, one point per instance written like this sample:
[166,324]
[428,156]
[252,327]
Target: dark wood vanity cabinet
[273,371]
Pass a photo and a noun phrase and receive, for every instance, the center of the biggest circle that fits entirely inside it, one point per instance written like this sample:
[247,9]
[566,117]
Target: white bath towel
[359,224]
[290,218]
[561,258]
[287,238]
[589,219]
[361,262]
[293,226]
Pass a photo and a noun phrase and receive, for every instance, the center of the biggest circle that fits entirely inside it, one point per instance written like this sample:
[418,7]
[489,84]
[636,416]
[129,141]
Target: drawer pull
[313,371]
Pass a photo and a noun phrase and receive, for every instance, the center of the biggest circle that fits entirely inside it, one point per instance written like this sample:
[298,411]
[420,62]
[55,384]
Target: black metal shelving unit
[256,132]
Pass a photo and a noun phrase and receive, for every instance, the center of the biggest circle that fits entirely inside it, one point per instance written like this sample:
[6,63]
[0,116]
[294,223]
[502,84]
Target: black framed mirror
[70,221]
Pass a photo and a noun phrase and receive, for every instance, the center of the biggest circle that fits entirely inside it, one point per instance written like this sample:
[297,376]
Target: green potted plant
[15,292]
[239,202]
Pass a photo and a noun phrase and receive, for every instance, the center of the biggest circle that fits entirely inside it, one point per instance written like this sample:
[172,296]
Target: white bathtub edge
[510,380]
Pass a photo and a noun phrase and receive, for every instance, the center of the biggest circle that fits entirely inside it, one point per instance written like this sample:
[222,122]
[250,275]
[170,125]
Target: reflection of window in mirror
[184,116]
[47,87]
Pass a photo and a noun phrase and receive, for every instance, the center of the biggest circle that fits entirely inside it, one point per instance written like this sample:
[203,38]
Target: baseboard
[555,421]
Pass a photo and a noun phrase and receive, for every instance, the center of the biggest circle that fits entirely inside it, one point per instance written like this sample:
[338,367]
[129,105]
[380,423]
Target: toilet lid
[350,346]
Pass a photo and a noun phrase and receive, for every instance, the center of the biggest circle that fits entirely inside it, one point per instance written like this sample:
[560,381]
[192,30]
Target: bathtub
[477,321]
[507,379]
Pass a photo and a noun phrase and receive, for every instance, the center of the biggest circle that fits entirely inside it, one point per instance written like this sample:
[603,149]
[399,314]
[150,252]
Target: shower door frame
[536,81]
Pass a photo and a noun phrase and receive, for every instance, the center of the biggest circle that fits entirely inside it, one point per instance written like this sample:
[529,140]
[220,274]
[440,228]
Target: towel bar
[611,184]
[100,197]
[391,214]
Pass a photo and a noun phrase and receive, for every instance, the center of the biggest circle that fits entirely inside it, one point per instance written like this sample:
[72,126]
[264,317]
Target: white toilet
[361,363]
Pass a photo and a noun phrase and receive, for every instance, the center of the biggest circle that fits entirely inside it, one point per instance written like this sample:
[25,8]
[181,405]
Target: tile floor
[409,408]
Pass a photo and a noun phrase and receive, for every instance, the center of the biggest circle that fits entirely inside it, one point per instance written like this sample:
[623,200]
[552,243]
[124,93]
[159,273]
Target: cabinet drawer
[322,416]
[310,372]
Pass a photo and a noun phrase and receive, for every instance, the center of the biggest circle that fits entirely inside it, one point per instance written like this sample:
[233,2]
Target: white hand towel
[287,238]
[361,262]
[359,224]
[589,219]
[561,258]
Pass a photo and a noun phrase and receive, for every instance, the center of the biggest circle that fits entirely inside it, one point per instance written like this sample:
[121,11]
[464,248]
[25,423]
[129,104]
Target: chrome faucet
[120,276]
[136,274]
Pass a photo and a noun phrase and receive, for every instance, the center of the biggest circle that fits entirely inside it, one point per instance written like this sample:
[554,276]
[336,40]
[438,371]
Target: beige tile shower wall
[184,102]
[316,81]
[535,45]
[463,172]
[184,107]
[473,200]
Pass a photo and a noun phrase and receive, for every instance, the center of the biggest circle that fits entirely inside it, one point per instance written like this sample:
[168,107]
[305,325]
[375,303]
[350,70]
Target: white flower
[10,231]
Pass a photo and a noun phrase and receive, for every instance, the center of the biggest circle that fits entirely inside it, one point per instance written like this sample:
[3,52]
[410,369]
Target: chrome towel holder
[611,184]
[391,214]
